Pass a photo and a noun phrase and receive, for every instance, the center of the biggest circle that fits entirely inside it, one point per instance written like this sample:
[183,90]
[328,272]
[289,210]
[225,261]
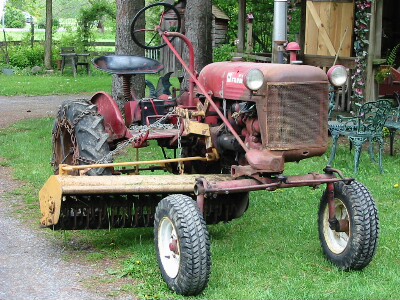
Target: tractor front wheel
[182,245]
[354,246]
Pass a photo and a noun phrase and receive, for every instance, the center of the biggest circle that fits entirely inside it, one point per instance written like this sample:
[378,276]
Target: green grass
[40,85]
[272,252]
[40,36]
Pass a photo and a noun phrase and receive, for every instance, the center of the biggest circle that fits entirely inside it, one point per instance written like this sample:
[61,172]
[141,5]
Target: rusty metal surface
[225,79]
[193,80]
[294,119]
[256,184]
[113,121]
[155,133]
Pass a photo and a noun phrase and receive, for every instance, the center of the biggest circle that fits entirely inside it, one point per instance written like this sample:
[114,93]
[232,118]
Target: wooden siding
[329,25]
[219,32]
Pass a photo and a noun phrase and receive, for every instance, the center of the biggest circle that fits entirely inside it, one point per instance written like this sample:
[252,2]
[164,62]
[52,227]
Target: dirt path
[31,265]
[13,109]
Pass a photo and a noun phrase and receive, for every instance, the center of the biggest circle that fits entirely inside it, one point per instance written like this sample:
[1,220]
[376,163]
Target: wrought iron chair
[366,126]
[393,122]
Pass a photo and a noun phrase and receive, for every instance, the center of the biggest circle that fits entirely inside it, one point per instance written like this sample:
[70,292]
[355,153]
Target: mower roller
[230,132]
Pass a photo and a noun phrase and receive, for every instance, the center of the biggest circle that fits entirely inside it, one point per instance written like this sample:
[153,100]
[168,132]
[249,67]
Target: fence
[96,48]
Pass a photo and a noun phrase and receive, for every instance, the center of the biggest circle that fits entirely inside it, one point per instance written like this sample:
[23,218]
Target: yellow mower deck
[86,201]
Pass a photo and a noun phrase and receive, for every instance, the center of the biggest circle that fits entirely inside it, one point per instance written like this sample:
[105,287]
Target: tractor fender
[113,120]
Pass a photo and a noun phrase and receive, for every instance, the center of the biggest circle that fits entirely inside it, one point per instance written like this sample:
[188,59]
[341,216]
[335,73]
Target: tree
[49,35]
[14,18]
[126,10]
[198,24]
[92,16]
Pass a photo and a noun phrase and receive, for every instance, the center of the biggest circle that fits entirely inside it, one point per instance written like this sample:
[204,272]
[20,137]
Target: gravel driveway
[31,265]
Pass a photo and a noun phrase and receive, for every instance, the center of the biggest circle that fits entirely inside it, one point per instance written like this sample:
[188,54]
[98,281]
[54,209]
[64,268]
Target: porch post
[241,25]
[374,49]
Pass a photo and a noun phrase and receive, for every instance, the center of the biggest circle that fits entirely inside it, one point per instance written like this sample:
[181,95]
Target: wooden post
[241,25]
[374,49]
[32,32]
[48,35]
[249,43]
[302,37]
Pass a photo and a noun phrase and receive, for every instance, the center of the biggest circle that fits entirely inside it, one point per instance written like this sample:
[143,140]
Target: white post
[2,11]
[280,29]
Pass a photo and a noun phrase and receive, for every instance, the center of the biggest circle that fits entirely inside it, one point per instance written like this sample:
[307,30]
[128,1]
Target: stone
[36,70]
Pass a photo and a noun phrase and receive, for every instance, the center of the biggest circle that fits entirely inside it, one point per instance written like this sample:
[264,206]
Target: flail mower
[231,132]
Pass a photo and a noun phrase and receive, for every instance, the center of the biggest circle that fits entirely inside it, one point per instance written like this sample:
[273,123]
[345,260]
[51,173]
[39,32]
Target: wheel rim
[336,241]
[168,246]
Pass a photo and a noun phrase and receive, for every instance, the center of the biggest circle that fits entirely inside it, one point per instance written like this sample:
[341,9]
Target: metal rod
[248,185]
[191,68]
[67,168]
[190,71]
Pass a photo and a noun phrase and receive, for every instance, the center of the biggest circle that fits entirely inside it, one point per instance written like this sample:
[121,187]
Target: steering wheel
[170,21]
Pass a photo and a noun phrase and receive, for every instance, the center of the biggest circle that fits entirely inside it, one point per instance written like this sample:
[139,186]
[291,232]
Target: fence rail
[154,54]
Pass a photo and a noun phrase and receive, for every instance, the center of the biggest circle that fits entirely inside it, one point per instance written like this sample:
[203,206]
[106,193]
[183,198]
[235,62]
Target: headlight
[337,75]
[254,79]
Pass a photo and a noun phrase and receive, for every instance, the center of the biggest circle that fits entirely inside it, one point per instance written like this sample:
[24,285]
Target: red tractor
[231,133]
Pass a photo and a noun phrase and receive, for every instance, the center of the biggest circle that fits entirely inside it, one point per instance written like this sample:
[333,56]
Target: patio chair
[69,56]
[393,122]
[367,125]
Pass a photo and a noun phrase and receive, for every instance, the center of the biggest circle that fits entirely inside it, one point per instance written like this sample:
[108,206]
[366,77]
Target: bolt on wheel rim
[168,246]
[336,241]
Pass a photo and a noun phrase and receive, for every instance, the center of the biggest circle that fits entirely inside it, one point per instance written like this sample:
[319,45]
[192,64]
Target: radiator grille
[297,115]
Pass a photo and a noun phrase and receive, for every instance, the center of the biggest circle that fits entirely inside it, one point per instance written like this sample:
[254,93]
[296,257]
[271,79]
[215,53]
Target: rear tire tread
[90,134]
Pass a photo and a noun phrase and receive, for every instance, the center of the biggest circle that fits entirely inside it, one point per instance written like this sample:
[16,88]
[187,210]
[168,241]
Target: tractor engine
[279,111]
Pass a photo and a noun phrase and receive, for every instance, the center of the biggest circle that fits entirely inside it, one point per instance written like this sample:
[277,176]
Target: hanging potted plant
[383,76]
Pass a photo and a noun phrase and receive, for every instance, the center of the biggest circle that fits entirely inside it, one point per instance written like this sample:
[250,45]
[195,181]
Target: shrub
[71,39]
[223,53]
[14,18]
[42,23]
[25,56]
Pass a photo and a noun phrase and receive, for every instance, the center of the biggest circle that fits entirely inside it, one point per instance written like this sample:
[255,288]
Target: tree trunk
[48,53]
[198,25]
[124,45]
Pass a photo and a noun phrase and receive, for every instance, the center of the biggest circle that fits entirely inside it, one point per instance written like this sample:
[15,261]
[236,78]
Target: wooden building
[339,27]
[220,23]
[356,33]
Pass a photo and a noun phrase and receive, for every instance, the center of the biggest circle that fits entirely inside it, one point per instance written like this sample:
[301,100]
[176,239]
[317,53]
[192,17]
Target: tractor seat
[127,65]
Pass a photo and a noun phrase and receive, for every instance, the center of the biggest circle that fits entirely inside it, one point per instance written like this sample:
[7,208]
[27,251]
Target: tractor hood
[226,79]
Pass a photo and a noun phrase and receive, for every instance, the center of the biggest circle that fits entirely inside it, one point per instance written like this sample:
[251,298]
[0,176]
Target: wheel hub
[337,237]
[168,246]
[173,246]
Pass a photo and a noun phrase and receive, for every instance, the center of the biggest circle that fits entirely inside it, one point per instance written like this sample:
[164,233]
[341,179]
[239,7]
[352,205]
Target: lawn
[272,252]
[41,85]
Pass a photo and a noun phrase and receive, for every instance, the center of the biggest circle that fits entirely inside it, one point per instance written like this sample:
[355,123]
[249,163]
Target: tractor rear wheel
[79,136]
[354,248]
[182,245]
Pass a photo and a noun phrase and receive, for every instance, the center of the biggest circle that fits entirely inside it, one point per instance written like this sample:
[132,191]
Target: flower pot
[59,63]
